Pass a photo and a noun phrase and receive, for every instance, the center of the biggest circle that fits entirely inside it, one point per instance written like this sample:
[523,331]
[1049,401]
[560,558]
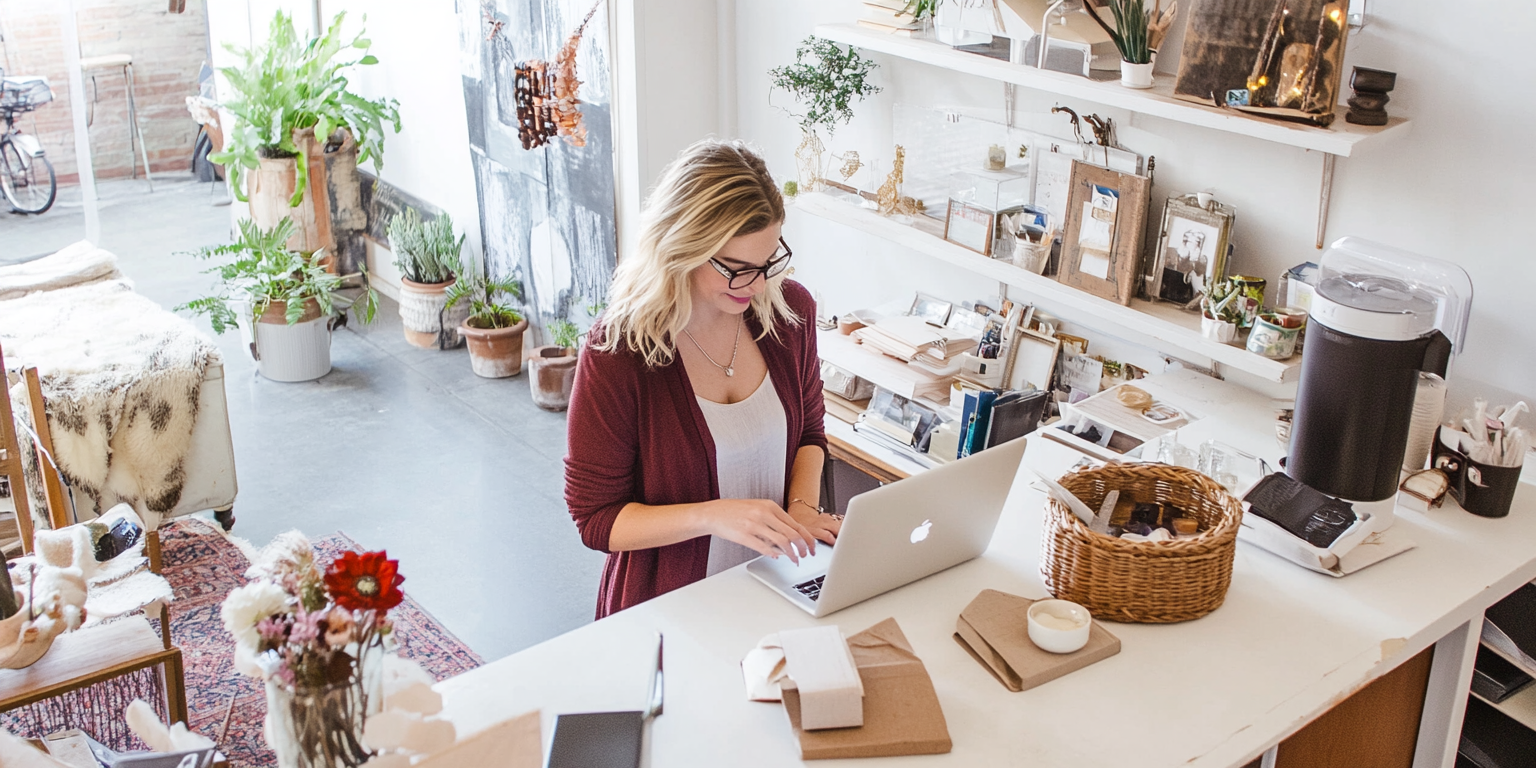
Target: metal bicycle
[26,177]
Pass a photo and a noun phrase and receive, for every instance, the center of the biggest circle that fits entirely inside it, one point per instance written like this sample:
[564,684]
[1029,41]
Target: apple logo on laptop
[921,532]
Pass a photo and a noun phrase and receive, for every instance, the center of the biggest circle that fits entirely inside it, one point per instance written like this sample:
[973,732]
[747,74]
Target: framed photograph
[970,226]
[1191,250]
[931,310]
[1101,247]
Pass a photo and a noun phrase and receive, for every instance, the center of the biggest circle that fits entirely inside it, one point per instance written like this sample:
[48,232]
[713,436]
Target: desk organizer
[1142,582]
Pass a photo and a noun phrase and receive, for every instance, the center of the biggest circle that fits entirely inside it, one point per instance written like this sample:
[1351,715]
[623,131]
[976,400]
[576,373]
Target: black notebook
[1516,617]
[1492,739]
[1309,515]
[1495,678]
[597,740]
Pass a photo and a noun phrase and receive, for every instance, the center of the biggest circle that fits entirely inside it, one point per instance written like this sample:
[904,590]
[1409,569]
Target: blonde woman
[695,427]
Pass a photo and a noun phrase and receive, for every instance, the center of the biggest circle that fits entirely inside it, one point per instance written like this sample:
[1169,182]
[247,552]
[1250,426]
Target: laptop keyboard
[811,589]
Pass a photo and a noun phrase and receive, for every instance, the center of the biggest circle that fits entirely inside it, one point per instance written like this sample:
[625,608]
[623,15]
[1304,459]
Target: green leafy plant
[1131,34]
[425,252]
[564,333]
[264,272]
[922,9]
[289,85]
[825,79]
[487,307]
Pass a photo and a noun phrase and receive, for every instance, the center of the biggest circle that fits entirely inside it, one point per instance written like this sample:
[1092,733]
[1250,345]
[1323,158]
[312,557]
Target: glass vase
[324,728]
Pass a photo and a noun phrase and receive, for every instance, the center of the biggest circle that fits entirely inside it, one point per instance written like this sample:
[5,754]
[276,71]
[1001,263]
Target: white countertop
[1286,646]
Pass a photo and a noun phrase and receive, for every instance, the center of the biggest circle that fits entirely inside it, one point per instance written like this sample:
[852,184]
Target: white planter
[298,352]
[1217,330]
[1135,75]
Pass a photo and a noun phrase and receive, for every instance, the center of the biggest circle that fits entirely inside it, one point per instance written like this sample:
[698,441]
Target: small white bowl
[1059,626]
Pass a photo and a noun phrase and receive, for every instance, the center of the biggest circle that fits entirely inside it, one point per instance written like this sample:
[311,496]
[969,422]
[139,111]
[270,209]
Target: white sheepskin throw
[77,264]
[122,379]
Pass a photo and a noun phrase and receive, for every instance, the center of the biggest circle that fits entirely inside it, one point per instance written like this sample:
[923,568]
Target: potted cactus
[1221,312]
[552,368]
[427,255]
[493,328]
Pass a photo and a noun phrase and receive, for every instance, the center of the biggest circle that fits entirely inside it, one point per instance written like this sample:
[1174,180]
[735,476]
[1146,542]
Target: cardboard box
[901,709]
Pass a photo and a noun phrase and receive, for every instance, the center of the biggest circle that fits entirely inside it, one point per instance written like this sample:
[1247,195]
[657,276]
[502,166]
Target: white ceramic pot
[1135,75]
[298,352]
[1217,330]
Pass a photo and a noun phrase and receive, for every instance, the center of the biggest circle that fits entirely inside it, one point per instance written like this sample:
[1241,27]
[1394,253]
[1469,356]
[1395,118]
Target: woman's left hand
[823,526]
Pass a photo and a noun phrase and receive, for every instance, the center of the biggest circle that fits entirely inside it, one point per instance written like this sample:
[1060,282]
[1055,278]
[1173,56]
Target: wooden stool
[100,654]
[124,62]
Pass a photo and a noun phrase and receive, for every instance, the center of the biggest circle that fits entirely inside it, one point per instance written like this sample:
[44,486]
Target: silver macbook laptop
[899,533]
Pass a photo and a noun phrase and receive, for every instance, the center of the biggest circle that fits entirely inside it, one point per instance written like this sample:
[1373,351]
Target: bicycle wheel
[28,182]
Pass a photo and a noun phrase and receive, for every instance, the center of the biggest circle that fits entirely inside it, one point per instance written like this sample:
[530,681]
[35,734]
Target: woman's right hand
[760,525]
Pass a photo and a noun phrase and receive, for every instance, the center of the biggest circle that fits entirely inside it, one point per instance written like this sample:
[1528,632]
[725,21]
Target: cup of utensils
[1059,626]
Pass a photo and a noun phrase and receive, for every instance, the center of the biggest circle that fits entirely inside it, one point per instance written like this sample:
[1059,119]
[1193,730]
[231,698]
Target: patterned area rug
[203,566]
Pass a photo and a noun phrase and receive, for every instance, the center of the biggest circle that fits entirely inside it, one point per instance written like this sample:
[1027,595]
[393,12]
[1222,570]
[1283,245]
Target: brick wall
[168,50]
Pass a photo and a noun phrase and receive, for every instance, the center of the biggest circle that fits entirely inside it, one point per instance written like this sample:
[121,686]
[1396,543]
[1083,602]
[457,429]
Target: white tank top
[750,439]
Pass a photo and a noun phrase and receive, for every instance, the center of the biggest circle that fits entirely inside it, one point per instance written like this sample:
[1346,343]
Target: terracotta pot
[421,311]
[270,185]
[495,353]
[552,373]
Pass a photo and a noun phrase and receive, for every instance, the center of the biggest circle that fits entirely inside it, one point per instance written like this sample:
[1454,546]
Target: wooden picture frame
[1106,216]
[1191,252]
[969,226]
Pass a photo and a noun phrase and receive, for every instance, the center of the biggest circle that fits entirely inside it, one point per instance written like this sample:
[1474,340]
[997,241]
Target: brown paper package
[901,708]
[995,629]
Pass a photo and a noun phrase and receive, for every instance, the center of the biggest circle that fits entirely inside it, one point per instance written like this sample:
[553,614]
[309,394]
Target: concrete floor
[403,449]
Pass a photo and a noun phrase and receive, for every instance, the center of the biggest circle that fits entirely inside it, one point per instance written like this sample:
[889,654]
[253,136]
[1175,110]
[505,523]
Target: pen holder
[1482,489]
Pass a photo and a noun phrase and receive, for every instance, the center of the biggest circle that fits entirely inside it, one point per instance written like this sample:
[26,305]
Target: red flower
[365,581]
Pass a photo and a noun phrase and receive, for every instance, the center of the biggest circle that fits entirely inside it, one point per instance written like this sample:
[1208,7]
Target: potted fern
[427,254]
[825,80]
[284,300]
[290,97]
[493,328]
[552,368]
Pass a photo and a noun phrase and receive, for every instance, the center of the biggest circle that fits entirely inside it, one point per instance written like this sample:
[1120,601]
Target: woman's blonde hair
[714,191]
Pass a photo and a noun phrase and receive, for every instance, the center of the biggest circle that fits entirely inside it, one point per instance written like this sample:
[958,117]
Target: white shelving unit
[1169,328]
[1339,139]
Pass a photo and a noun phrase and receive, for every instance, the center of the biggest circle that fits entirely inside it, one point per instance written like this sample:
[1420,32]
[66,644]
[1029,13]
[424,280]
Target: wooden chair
[10,461]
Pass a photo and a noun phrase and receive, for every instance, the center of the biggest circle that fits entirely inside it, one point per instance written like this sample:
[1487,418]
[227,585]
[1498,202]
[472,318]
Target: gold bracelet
[819,510]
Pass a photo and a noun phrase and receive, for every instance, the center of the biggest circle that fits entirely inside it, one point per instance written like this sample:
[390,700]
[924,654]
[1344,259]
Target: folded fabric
[80,263]
[994,628]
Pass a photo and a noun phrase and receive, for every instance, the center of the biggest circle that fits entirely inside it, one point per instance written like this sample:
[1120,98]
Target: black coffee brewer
[1380,318]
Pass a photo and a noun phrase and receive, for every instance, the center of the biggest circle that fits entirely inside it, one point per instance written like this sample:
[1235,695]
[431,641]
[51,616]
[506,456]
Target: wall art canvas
[1280,58]
[548,213]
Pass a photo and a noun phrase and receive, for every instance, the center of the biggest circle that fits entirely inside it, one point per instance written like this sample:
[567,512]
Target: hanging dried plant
[546,97]
[567,115]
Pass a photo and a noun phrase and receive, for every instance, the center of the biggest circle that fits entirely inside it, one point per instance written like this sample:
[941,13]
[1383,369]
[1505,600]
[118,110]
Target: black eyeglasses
[741,278]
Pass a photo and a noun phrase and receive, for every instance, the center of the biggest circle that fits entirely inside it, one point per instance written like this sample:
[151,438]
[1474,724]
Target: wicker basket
[1142,582]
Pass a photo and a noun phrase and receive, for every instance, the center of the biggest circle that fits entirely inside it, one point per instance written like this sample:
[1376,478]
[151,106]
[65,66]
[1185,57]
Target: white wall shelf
[1169,328]
[1339,139]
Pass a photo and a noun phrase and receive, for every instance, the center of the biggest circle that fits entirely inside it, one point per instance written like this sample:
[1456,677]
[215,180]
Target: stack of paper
[911,338]
[889,16]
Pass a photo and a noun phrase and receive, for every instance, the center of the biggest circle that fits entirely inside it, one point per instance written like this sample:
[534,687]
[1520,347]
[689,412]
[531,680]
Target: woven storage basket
[1142,582]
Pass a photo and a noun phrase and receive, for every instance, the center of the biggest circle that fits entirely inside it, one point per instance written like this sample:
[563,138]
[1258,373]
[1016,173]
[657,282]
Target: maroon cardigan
[636,434]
